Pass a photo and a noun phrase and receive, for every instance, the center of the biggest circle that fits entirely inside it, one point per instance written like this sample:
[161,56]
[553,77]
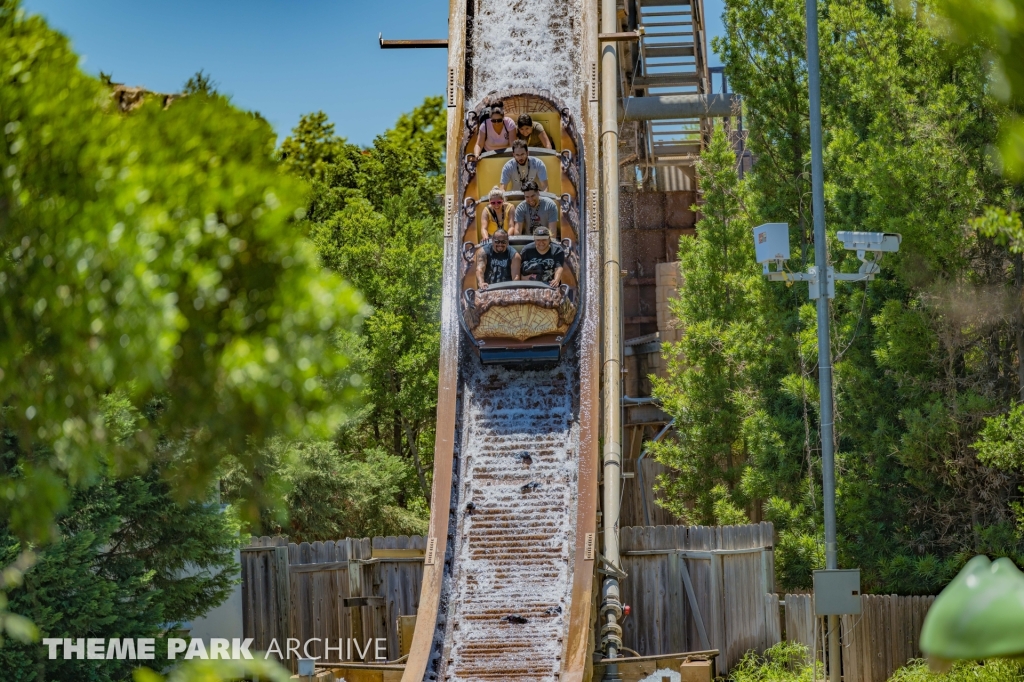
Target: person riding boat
[532,133]
[496,262]
[496,133]
[535,212]
[542,261]
[496,216]
[522,168]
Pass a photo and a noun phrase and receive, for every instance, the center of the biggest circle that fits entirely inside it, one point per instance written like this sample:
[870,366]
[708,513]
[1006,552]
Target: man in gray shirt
[536,211]
[523,168]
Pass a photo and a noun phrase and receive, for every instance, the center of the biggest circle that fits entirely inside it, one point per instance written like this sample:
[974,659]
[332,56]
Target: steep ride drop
[510,557]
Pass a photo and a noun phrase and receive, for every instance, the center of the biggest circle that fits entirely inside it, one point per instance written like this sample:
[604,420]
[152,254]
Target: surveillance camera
[878,242]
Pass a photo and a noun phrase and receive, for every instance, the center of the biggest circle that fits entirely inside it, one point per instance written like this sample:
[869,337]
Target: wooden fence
[689,588]
[638,506]
[882,638]
[698,587]
[352,588]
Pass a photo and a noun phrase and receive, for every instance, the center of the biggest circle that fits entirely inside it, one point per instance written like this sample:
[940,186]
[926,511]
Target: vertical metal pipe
[828,471]
[611,608]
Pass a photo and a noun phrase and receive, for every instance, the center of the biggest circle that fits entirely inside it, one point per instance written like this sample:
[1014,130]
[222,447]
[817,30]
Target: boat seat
[520,284]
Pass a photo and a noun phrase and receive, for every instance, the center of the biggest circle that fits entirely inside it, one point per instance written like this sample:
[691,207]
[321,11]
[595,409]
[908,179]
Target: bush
[994,670]
[784,662]
[787,662]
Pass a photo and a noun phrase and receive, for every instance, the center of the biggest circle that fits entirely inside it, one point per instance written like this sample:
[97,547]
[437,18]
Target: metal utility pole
[611,605]
[828,463]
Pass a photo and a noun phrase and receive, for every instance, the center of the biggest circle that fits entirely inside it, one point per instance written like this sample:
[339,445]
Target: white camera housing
[771,242]
[878,242]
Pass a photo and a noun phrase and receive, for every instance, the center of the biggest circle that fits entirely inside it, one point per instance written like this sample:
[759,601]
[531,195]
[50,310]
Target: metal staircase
[670,59]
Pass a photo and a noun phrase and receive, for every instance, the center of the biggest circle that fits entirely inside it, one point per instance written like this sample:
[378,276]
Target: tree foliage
[999,26]
[376,221]
[427,123]
[923,355]
[718,373]
[127,559]
[328,494]
[157,254]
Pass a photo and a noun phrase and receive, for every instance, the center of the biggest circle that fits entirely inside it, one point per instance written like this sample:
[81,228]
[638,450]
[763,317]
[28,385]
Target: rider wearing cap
[542,261]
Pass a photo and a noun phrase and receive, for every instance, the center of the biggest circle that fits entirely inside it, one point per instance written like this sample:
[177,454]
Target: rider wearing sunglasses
[496,261]
[497,215]
[496,131]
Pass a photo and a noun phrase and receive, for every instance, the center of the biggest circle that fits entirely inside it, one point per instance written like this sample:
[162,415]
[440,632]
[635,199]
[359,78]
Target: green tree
[718,373]
[426,123]
[328,494]
[923,354]
[376,221]
[200,83]
[999,26]
[127,559]
[313,147]
[158,253]
[159,303]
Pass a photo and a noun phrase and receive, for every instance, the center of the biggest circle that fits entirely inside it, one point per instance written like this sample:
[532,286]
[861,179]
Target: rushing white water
[511,587]
[529,45]
[663,675]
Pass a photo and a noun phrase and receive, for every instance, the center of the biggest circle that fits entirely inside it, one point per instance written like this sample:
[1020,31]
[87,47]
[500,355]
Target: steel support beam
[665,107]
[435,44]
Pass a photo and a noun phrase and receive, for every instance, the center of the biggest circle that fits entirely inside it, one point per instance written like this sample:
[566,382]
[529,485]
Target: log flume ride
[508,580]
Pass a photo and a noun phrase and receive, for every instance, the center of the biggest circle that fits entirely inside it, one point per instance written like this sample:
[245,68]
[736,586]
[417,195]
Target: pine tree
[717,369]
[128,561]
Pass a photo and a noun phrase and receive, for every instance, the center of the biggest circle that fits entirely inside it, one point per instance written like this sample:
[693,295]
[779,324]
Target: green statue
[979,615]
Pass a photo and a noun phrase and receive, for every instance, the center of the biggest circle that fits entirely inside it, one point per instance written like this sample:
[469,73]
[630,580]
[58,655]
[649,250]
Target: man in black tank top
[496,262]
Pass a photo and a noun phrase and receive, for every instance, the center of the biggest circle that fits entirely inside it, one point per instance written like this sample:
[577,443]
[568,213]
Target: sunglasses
[497,202]
[501,242]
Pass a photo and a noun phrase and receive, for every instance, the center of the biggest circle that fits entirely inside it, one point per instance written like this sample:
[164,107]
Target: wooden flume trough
[426,657]
[465,630]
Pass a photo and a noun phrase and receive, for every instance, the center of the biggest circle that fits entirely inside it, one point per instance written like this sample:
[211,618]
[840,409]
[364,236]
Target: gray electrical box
[837,592]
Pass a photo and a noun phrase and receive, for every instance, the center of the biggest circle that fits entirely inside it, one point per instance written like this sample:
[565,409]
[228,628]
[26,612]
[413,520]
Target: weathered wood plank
[849,657]
[677,626]
[281,589]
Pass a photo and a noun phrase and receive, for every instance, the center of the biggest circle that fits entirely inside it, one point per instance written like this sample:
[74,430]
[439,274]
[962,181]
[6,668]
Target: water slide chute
[508,575]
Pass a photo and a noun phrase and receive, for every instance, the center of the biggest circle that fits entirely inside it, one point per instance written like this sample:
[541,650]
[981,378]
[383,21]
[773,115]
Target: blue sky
[281,58]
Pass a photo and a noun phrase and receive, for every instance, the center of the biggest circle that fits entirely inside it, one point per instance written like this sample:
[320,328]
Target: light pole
[836,592]
[827,423]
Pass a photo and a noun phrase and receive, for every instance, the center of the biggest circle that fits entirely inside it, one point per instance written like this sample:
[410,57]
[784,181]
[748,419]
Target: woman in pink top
[497,133]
